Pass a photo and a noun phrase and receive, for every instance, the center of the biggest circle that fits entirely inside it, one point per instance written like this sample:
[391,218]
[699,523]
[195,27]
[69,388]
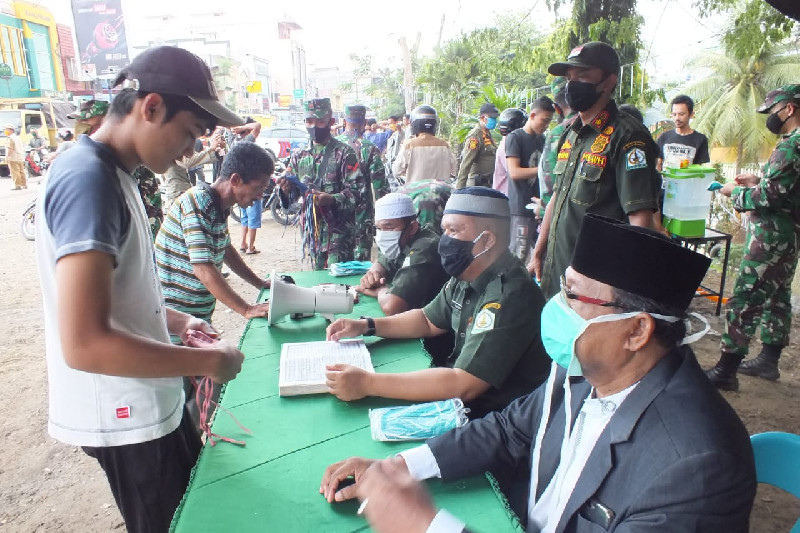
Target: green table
[272,484]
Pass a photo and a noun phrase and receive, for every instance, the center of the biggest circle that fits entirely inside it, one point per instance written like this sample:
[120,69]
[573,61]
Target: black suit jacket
[674,457]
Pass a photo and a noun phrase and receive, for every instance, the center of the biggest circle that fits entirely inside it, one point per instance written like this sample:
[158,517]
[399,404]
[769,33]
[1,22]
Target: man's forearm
[241,269]
[409,325]
[544,230]
[176,321]
[391,304]
[522,173]
[209,276]
[430,384]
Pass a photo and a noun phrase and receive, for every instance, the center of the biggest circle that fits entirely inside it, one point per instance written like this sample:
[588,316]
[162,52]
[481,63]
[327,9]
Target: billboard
[100,29]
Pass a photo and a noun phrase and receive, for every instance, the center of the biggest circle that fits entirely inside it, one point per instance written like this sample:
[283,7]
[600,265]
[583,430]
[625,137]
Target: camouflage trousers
[761,295]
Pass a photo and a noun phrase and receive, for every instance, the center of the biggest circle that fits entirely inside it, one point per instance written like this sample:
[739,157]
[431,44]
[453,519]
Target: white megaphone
[288,299]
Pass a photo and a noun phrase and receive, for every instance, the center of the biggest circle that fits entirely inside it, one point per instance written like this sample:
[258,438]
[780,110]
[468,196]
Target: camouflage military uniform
[429,198]
[335,226]
[762,293]
[371,163]
[477,159]
[151,197]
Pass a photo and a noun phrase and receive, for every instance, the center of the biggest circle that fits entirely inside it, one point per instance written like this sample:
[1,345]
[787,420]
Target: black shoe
[722,378]
[760,367]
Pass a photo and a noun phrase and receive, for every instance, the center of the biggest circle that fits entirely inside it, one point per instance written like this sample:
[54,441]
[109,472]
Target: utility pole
[408,77]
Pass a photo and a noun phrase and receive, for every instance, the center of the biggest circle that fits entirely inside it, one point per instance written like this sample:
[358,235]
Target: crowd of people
[550,300]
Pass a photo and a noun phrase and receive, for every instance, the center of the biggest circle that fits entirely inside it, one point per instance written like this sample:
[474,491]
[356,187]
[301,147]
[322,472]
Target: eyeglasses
[569,295]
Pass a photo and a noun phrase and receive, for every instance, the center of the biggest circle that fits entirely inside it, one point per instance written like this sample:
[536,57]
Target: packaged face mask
[417,422]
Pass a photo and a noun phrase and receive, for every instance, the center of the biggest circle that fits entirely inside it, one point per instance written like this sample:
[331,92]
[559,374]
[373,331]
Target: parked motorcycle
[271,202]
[28,220]
[35,162]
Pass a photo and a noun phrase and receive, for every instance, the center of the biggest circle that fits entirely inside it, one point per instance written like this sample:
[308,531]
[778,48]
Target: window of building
[41,48]
[12,49]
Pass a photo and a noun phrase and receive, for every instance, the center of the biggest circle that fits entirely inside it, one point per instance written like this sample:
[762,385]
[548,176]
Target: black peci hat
[638,260]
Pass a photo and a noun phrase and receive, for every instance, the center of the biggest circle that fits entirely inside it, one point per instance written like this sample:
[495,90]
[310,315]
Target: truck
[28,114]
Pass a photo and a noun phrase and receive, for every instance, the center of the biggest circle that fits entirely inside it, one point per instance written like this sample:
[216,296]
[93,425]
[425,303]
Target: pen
[362,507]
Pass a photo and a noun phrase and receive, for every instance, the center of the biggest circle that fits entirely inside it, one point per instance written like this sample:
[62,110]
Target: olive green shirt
[477,159]
[416,275]
[603,167]
[496,320]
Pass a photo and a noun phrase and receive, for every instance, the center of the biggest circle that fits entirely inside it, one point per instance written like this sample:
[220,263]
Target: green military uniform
[151,197]
[429,198]
[550,157]
[601,168]
[369,158]
[477,159]
[496,322]
[762,293]
[416,275]
[329,233]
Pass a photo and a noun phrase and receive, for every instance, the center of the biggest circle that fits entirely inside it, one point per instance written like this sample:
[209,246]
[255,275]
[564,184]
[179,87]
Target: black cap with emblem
[590,55]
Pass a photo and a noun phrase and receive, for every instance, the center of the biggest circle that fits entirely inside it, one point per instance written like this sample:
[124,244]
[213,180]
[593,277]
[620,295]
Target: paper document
[303,364]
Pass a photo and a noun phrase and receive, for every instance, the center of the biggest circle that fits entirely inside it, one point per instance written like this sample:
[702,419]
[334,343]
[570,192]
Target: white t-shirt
[90,203]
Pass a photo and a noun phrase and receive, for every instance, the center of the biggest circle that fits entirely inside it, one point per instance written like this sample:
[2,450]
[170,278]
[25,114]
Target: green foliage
[754,28]
[728,93]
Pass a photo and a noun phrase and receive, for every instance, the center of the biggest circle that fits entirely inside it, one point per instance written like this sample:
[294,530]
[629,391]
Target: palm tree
[731,90]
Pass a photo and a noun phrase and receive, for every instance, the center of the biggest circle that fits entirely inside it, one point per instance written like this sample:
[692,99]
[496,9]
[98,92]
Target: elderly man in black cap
[491,305]
[602,165]
[650,445]
[477,158]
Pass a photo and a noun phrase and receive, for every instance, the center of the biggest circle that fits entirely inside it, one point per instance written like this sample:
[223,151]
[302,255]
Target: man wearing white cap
[408,273]
[490,303]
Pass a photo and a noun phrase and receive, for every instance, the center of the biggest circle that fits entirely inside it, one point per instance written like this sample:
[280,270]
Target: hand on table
[367,292]
[397,503]
[345,328]
[372,280]
[257,311]
[347,382]
[338,472]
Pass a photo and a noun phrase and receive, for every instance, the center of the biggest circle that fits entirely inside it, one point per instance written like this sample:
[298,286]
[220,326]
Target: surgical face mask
[319,135]
[457,255]
[774,122]
[491,123]
[581,95]
[388,242]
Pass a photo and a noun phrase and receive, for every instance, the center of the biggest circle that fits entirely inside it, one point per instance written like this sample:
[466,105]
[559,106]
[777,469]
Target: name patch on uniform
[563,155]
[635,158]
[124,412]
[472,144]
[600,143]
[493,305]
[595,160]
[484,321]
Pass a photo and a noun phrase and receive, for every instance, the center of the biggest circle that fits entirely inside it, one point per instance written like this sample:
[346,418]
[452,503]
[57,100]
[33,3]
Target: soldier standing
[327,172]
[762,293]
[373,169]
[477,159]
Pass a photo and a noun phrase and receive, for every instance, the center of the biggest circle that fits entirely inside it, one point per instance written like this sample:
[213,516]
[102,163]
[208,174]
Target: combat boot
[765,365]
[723,374]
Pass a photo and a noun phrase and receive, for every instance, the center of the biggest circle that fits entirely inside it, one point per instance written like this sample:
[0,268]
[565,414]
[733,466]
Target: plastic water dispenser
[687,199]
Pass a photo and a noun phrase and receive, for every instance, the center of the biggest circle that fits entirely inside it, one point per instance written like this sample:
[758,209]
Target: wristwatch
[370,326]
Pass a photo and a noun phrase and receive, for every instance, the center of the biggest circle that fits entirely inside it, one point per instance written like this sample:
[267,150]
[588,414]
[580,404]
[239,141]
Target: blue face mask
[491,123]
[417,422]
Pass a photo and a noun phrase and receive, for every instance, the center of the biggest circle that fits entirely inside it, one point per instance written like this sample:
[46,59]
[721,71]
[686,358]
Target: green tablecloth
[272,484]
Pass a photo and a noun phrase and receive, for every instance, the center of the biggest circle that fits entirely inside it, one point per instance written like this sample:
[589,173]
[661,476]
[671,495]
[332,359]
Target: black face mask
[319,135]
[580,95]
[456,254]
[774,122]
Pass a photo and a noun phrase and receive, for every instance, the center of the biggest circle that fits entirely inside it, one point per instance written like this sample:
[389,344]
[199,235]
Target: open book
[303,364]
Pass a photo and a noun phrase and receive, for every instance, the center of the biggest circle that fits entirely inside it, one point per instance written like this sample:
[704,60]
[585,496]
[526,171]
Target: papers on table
[302,369]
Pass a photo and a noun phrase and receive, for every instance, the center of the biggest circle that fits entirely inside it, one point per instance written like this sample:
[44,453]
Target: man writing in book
[490,304]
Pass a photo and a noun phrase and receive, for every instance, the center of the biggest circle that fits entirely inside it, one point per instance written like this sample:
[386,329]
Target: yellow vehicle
[28,114]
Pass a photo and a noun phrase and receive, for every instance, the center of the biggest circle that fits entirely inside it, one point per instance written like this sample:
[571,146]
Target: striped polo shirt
[194,231]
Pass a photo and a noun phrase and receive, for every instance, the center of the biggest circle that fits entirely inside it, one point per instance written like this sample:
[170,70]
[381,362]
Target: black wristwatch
[370,326]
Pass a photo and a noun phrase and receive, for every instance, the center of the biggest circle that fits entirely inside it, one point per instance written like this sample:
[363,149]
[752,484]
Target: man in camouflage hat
[762,294]
[477,159]
[372,167]
[429,198]
[329,172]
[89,117]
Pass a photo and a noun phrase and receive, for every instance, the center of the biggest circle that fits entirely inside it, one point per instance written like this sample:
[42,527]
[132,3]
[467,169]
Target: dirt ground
[49,486]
